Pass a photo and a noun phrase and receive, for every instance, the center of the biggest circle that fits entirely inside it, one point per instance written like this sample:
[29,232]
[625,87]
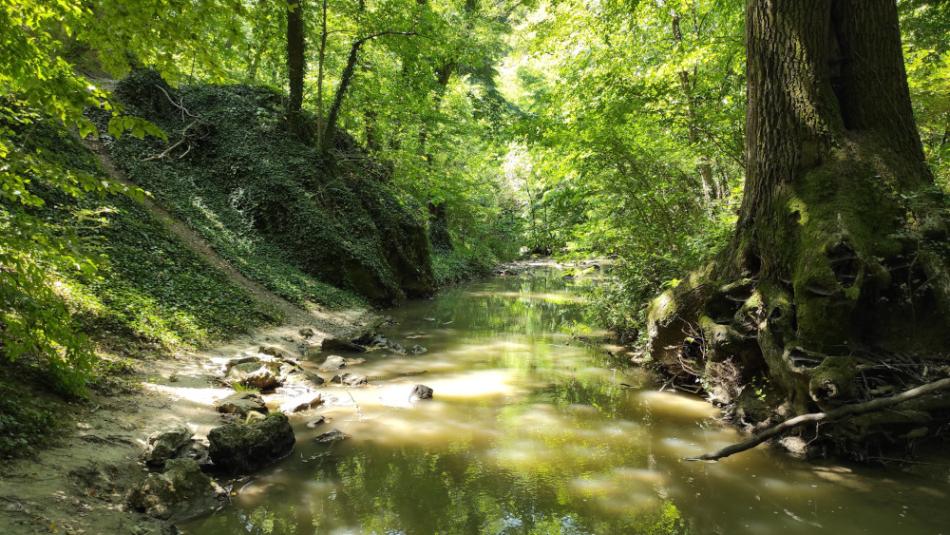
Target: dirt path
[198,244]
[79,484]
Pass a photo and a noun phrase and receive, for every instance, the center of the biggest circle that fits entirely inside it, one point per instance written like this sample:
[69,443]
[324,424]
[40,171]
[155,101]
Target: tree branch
[841,412]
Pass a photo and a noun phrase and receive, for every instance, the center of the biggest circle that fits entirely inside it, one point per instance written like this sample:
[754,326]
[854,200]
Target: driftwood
[841,412]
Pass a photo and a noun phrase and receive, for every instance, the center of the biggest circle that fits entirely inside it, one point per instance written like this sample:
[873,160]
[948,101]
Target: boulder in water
[246,447]
[349,379]
[421,392]
[302,402]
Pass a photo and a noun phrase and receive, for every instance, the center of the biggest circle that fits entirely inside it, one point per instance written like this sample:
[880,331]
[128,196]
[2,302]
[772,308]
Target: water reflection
[531,432]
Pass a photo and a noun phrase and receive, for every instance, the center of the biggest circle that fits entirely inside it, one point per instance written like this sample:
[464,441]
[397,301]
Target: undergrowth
[299,224]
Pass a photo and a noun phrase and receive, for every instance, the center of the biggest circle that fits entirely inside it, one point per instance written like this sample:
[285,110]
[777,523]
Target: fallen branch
[184,138]
[841,412]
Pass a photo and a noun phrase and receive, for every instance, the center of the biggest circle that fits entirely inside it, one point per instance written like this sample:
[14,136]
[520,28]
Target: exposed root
[855,409]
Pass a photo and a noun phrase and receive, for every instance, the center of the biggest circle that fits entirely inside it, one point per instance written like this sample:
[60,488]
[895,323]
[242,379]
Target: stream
[534,431]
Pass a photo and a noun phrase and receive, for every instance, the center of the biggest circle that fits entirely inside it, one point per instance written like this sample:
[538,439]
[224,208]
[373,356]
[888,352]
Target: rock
[796,447]
[165,444]
[372,340]
[241,403]
[272,351]
[302,402]
[421,392]
[256,374]
[331,437]
[180,493]
[240,360]
[306,332]
[317,422]
[417,350]
[314,378]
[197,450]
[244,448]
[254,417]
[397,348]
[336,344]
[349,379]
[310,349]
[333,363]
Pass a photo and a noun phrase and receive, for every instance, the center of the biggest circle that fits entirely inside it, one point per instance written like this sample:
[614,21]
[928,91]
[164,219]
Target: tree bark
[296,63]
[839,261]
[321,67]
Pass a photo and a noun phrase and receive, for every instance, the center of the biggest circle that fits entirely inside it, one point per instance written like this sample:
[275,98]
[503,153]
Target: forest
[474,266]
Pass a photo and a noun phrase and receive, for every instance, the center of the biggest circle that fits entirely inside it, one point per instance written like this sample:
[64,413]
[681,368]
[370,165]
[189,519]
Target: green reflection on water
[531,432]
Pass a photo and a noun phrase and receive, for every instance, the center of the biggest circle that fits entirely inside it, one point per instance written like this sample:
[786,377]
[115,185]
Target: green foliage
[451,267]
[269,204]
[635,155]
[25,421]
[43,46]
[148,284]
[927,56]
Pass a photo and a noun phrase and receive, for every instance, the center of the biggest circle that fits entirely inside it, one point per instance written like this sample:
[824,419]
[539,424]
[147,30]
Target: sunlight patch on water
[671,404]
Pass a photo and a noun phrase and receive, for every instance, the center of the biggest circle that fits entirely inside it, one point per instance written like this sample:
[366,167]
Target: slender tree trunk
[329,129]
[346,78]
[296,63]
[686,85]
[838,267]
[321,65]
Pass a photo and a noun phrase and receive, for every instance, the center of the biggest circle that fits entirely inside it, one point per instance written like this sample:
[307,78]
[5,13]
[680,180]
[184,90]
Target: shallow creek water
[532,431]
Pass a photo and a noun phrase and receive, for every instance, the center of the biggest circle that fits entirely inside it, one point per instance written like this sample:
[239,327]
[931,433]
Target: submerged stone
[331,437]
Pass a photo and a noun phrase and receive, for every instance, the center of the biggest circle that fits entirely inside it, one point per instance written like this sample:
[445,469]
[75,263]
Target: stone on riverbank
[333,363]
[259,374]
[339,344]
[244,448]
[180,493]
[165,444]
[241,403]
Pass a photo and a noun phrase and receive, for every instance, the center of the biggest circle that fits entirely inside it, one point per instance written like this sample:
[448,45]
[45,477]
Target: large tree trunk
[295,62]
[835,288]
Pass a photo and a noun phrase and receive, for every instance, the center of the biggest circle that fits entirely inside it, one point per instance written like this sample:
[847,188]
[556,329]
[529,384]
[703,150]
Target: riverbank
[79,484]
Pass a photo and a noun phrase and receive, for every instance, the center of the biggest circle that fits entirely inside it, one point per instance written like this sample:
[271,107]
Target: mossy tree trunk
[835,288]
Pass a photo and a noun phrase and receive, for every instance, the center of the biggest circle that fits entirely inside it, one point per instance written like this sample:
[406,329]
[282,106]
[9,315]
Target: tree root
[847,410]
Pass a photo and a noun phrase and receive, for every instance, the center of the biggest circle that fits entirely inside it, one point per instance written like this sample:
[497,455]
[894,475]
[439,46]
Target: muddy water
[533,432]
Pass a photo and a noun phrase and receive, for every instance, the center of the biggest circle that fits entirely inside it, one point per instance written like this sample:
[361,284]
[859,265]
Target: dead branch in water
[841,412]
